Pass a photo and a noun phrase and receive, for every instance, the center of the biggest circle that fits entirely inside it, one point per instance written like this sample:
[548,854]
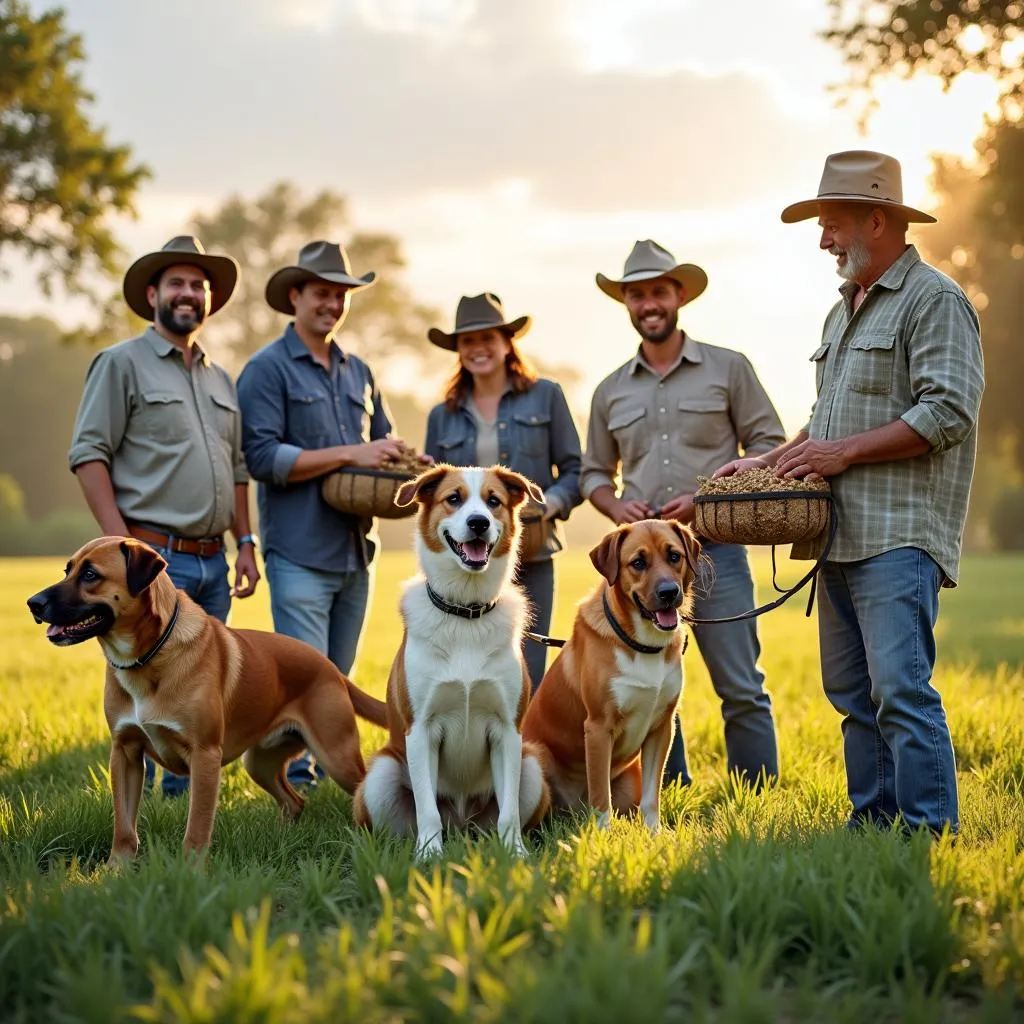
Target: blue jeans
[326,610]
[730,652]
[205,580]
[876,621]
[538,581]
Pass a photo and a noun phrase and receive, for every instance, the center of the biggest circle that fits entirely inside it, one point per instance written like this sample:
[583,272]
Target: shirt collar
[163,348]
[468,395]
[892,278]
[690,352]
[296,348]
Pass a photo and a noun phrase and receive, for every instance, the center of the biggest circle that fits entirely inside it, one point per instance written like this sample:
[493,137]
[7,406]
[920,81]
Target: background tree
[60,179]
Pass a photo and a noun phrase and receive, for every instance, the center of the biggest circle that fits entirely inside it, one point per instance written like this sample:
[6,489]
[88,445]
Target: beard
[858,259]
[656,335]
[174,318]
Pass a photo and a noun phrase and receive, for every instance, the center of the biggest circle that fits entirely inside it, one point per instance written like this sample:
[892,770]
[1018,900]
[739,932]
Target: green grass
[746,908]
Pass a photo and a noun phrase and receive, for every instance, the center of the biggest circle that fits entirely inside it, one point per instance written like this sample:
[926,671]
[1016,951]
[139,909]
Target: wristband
[249,538]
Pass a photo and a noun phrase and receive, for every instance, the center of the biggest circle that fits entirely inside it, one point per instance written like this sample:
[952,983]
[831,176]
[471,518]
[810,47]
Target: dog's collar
[156,648]
[622,634]
[464,611]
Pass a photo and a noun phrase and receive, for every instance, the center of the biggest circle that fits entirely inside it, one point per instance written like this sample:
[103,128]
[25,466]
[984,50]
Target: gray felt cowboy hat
[649,260]
[858,176]
[222,272]
[479,313]
[323,261]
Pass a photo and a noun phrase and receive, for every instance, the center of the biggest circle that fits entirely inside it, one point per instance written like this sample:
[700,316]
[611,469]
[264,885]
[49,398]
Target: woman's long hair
[519,369]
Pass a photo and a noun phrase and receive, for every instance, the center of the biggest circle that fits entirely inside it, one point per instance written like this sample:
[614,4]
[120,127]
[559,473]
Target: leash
[155,649]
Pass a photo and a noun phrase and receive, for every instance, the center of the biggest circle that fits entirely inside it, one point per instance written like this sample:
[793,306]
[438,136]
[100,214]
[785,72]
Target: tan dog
[603,715]
[194,694]
[458,687]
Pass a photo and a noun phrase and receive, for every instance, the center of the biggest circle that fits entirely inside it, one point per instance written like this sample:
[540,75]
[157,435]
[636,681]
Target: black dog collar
[622,634]
[464,611]
[155,649]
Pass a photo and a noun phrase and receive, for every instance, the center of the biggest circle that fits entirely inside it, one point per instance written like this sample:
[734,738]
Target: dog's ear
[605,556]
[691,546]
[142,565]
[518,486]
[422,487]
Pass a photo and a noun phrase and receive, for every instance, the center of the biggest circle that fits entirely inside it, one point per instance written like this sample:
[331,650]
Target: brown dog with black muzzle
[603,714]
[194,694]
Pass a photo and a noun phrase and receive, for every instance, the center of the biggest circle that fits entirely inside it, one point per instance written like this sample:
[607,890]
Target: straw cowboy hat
[649,260]
[479,313]
[858,176]
[222,272]
[322,261]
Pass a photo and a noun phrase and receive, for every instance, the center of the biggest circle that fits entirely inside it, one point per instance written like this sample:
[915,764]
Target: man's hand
[631,511]
[826,458]
[680,509]
[245,570]
[740,466]
[374,454]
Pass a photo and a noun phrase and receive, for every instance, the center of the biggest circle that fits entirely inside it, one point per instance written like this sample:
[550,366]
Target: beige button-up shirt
[170,436]
[910,351]
[662,432]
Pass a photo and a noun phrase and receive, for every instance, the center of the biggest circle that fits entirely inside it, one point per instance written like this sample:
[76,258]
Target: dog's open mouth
[665,619]
[474,553]
[76,632]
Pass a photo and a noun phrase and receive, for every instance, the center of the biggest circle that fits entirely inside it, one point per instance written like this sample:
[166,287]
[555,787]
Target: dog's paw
[427,848]
[653,822]
[604,820]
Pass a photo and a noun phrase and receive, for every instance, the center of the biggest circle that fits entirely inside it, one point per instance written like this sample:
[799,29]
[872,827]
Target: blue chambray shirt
[291,403]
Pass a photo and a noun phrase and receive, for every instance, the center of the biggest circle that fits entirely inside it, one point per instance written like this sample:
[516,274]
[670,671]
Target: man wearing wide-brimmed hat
[157,441]
[309,408]
[674,412]
[899,380]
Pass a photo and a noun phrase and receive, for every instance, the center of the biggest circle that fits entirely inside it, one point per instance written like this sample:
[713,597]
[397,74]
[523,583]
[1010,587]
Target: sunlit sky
[519,147]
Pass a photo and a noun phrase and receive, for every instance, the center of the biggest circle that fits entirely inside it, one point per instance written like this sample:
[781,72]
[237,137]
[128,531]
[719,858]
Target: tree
[60,179]
[267,232]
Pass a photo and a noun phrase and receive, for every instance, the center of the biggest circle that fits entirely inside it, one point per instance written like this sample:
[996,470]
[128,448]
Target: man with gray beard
[157,445]
[899,380]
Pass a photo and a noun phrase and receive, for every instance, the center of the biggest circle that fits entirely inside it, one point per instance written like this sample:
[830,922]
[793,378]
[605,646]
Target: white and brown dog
[602,718]
[458,688]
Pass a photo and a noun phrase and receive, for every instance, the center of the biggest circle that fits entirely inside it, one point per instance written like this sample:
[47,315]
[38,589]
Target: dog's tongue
[54,630]
[667,618]
[475,550]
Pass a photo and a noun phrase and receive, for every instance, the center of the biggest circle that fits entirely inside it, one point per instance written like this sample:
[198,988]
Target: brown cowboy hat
[649,260]
[322,261]
[479,313]
[222,272]
[858,176]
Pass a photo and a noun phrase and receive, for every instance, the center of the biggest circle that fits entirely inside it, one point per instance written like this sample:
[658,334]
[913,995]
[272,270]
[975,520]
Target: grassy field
[745,908]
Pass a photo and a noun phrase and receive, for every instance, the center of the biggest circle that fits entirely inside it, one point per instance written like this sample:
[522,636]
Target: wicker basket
[367,492]
[763,517]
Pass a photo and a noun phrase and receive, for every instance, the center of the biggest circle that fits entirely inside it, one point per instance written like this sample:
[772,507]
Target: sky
[519,146]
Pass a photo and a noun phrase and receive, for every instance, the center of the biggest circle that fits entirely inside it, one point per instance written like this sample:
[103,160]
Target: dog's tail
[370,708]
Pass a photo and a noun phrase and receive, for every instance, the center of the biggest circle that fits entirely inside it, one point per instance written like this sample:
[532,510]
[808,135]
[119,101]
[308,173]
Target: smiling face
[650,568]
[320,306]
[103,583]
[654,307]
[180,299]
[483,353]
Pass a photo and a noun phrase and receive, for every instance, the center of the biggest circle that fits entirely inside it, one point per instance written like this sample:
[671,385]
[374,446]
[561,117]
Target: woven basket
[367,493]
[764,517]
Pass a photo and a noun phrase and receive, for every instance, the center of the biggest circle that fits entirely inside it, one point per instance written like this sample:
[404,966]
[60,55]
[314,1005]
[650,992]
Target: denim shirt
[536,437]
[290,404]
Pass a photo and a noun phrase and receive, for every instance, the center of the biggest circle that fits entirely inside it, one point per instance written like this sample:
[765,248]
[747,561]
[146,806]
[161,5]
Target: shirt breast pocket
[703,422]
[454,448]
[871,360]
[818,358]
[533,432]
[225,413]
[164,416]
[308,425]
[630,429]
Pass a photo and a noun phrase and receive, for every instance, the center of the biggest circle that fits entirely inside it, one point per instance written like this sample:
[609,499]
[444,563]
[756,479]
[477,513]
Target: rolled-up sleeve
[601,459]
[262,397]
[103,413]
[947,374]
[565,455]
[757,424]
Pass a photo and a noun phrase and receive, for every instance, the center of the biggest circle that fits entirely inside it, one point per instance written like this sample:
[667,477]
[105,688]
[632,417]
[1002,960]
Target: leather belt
[205,547]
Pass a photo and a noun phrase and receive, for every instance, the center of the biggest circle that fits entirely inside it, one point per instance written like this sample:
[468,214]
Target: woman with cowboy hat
[497,410]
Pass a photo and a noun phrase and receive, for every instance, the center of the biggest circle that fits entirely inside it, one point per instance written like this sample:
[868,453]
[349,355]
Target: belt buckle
[207,546]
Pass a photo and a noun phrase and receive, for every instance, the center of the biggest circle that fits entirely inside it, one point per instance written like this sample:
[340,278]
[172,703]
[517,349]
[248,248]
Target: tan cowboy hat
[858,176]
[221,270]
[478,313]
[324,261]
[649,260]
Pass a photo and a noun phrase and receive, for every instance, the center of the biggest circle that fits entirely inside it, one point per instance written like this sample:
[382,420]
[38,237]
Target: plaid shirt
[911,351]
